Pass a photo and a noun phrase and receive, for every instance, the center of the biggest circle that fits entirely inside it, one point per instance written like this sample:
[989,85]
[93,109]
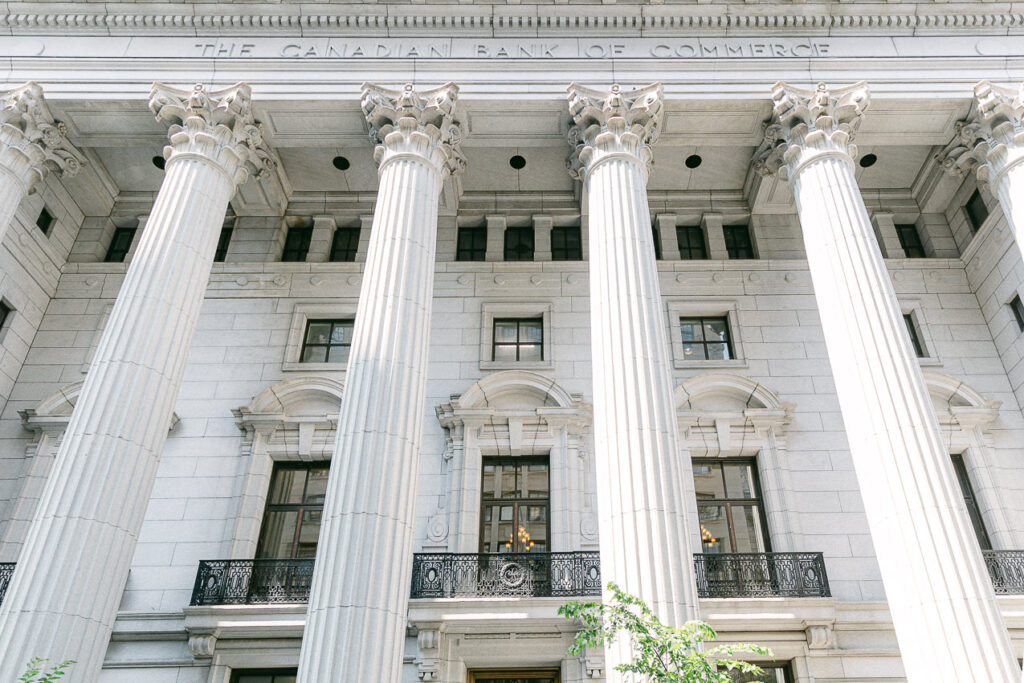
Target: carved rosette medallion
[419,124]
[216,125]
[807,125]
[613,124]
[32,144]
[991,141]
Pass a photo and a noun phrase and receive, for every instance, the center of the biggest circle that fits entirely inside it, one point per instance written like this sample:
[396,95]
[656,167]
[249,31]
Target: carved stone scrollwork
[428,663]
[202,645]
[991,141]
[613,124]
[819,637]
[422,124]
[810,124]
[31,142]
[217,126]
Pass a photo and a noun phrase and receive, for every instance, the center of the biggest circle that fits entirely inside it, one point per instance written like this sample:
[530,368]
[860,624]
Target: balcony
[252,582]
[6,572]
[1006,569]
[761,575]
[528,575]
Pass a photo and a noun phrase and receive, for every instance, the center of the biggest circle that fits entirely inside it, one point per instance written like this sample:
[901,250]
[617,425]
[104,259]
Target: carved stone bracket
[819,636]
[613,124]
[31,142]
[428,662]
[810,124]
[202,645]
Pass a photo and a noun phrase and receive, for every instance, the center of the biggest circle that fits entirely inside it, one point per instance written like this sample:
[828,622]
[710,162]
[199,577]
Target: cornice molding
[517,20]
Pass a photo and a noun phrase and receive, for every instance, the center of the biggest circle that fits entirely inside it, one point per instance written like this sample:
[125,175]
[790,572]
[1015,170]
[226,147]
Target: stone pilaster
[943,607]
[645,531]
[355,628]
[32,144]
[991,143]
[72,570]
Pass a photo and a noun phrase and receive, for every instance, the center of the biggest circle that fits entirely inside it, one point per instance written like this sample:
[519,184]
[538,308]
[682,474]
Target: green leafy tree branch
[661,653]
[36,674]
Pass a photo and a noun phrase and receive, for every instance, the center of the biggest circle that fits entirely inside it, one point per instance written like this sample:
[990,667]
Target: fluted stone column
[31,145]
[355,630]
[947,622]
[645,532]
[72,570]
[991,143]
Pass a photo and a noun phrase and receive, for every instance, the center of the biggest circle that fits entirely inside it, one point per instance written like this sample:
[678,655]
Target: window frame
[1017,309]
[352,234]
[519,343]
[915,335]
[304,235]
[471,251]
[300,508]
[224,242]
[970,210]
[519,250]
[111,248]
[489,311]
[686,253]
[516,501]
[568,253]
[485,675]
[6,311]
[971,501]
[334,322]
[50,222]
[785,667]
[701,321]
[302,313]
[729,233]
[704,308]
[909,244]
[236,674]
[757,499]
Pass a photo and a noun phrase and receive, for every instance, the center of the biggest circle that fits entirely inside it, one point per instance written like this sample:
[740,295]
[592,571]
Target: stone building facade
[411,322]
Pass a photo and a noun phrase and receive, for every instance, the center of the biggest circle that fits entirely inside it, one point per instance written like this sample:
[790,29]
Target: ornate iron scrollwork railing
[252,582]
[760,575]
[451,575]
[6,572]
[1006,568]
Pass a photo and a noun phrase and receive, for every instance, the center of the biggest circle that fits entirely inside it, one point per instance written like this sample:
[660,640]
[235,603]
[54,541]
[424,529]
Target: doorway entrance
[514,676]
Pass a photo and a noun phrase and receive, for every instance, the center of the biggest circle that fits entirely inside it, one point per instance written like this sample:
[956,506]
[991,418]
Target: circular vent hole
[341,163]
[159,162]
[517,162]
[693,161]
[868,160]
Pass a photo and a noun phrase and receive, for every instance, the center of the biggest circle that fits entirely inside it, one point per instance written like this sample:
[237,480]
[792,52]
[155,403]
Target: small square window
[977,211]
[737,241]
[327,341]
[566,244]
[519,244]
[472,244]
[345,244]
[223,243]
[915,338]
[44,221]
[296,244]
[518,339]
[120,245]
[706,338]
[910,240]
[691,243]
[5,313]
[1018,311]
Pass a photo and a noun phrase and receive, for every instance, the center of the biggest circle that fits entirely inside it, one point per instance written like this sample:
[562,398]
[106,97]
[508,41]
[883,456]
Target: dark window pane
[566,244]
[706,338]
[327,341]
[120,245]
[264,676]
[222,243]
[691,242]
[910,240]
[472,244]
[977,212]
[973,511]
[778,673]
[915,340]
[291,523]
[44,221]
[296,244]
[519,244]
[518,339]
[5,311]
[737,242]
[515,508]
[656,234]
[345,244]
[729,506]
[1018,311]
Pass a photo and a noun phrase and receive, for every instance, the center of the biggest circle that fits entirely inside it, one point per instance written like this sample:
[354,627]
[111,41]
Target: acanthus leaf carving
[32,143]
[613,124]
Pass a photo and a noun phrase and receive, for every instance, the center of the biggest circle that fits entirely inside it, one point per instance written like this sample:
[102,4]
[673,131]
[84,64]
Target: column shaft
[358,605]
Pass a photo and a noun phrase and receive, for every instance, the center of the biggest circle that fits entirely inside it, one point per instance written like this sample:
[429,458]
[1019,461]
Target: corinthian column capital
[408,123]
[807,125]
[31,142]
[991,140]
[613,124]
[215,126]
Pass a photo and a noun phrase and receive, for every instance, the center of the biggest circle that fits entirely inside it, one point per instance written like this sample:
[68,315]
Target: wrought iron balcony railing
[1006,568]
[451,575]
[6,572]
[252,582]
[761,575]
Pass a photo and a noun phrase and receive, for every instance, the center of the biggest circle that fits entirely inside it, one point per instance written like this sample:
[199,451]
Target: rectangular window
[120,245]
[566,244]
[223,242]
[729,506]
[973,511]
[773,673]
[691,243]
[977,211]
[472,244]
[656,235]
[514,676]
[737,241]
[706,338]
[519,244]
[264,676]
[296,244]
[5,312]
[295,504]
[915,339]
[327,341]
[518,339]
[910,240]
[514,499]
[1018,311]
[345,244]
[44,221]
